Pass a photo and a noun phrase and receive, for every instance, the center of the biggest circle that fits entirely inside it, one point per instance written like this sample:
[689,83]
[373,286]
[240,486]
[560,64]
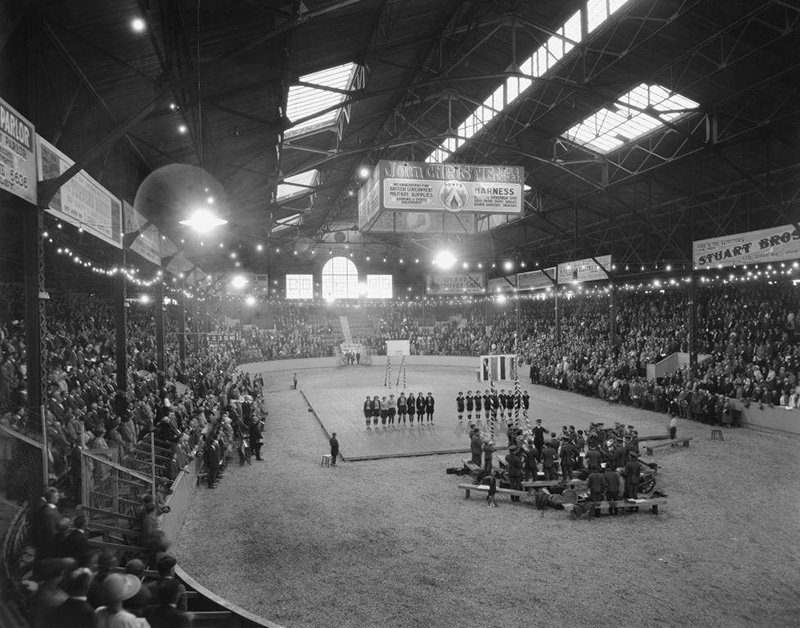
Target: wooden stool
[715,434]
[326,460]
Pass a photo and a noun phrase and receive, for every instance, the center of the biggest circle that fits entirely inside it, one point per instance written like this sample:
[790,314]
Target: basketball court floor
[336,396]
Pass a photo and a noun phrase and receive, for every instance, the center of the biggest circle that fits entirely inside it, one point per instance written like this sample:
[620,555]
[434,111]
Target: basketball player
[460,407]
[478,404]
[421,406]
[411,402]
[368,410]
[429,405]
[376,410]
[487,404]
[470,406]
[402,408]
[526,402]
[392,409]
[384,410]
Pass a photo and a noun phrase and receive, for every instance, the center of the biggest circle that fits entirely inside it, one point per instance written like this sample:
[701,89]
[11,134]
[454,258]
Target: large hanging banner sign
[81,201]
[419,186]
[17,154]
[461,283]
[148,243]
[584,270]
[766,245]
[536,279]
[418,197]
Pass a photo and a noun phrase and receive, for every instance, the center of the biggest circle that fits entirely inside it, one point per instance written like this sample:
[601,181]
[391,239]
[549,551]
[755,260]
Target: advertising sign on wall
[148,243]
[17,154]
[536,279]
[81,201]
[457,283]
[584,270]
[753,247]
[502,284]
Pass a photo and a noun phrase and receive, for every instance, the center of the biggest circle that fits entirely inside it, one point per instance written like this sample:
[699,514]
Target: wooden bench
[653,502]
[668,443]
[573,483]
[483,488]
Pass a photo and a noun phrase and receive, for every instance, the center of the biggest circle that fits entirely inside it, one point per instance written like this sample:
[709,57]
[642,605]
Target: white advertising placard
[584,269]
[420,186]
[536,279]
[501,284]
[753,247]
[17,154]
[81,201]
[457,283]
[148,243]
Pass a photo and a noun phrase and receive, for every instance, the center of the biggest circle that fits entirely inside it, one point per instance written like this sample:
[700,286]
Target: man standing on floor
[612,488]
[334,449]
[538,435]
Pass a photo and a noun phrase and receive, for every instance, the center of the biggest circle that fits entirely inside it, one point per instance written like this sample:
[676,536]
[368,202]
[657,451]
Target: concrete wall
[378,361]
[777,419]
[182,491]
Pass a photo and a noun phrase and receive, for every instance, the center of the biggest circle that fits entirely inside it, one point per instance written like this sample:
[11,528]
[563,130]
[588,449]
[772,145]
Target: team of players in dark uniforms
[492,403]
[404,407]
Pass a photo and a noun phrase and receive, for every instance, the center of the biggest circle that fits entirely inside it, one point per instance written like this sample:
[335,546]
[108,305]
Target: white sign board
[81,201]
[753,247]
[17,154]
[148,243]
[536,279]
[420,186]
[584,270]
[457,283]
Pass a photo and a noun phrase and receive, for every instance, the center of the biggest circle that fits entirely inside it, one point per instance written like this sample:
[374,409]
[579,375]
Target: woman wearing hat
[117,588]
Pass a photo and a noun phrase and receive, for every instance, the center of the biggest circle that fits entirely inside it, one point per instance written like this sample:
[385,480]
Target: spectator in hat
[165,565]
[514,467]
[167,614]
[611,479]
[117,588]
[106,564]
[633,470]
[49,595]
[75,612]
[44,522]
[143,598]
[76,544]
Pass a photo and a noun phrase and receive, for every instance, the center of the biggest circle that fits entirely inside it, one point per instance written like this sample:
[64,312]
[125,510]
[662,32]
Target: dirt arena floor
[393,543]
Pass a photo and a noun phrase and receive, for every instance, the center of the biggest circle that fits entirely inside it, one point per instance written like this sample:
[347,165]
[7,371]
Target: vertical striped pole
[517,401]
[492,393]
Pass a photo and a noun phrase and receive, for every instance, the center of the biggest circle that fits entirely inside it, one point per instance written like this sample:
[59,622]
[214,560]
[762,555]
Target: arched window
[340,279]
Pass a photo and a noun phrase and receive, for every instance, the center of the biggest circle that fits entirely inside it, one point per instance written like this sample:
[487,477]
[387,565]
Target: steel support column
[35,325]
[160,362]
[182,327]
[120,294]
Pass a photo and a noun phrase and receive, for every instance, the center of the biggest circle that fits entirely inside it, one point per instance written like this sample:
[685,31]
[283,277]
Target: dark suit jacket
[73,613]
[165,616]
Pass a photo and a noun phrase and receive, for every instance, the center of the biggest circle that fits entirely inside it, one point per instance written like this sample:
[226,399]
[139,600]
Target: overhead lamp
[445,260]
[138,25]
[364,172]
[251,300]
[145,298]
[182,128]
[239,281]
[508,265]
[203,221]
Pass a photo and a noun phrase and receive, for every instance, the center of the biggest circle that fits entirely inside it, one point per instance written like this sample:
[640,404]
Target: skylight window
[624,121]
[544,59]
[306,101]
[286,223]
[297,185]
